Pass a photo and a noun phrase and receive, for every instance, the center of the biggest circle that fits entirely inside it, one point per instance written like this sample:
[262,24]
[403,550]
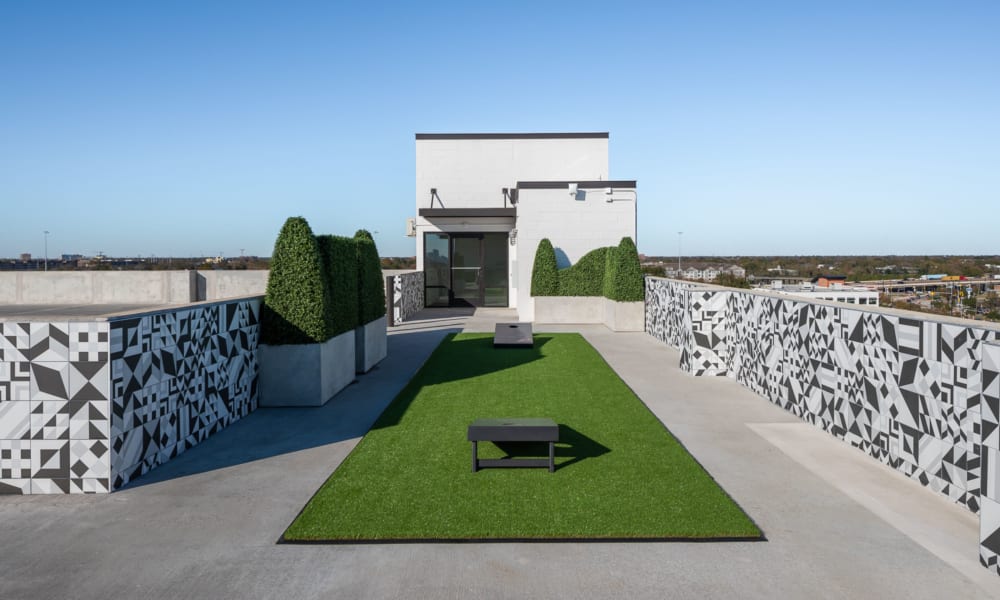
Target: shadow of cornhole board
[513,335]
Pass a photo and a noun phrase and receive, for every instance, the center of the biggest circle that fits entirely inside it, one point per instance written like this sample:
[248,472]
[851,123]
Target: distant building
[25,257]
[709,273]
[692,273]
[72,256]
[827,281]
[736,271]
[778,270]
[855,295]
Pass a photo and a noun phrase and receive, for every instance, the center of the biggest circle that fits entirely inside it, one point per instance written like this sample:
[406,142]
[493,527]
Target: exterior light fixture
[513,237]
[573,188]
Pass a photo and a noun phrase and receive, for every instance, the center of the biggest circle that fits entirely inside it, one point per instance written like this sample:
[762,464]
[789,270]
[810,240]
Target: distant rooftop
[509,136]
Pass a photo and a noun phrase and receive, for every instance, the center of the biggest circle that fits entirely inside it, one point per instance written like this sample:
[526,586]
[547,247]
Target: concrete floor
[838,524]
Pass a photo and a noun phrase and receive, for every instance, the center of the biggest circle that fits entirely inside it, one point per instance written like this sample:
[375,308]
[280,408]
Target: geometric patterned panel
[407,295]
[177,378]
[920,396]
[54,407]
[86,406]
[989,523]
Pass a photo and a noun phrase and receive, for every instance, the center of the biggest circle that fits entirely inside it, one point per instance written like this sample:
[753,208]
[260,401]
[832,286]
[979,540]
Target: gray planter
[306,374]
[624,316]
[370,344]
[616,316]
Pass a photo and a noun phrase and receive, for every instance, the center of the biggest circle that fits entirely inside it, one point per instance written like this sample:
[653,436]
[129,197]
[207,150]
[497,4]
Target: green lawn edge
[621,474]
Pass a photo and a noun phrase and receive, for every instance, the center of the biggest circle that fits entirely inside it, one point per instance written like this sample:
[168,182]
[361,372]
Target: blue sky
[194,128]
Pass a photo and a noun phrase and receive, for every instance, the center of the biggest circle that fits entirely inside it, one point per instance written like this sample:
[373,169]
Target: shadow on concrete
[269,432]
[573,444]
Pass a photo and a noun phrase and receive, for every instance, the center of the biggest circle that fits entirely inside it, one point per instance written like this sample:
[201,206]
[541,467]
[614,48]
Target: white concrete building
[839,293]
[485,201]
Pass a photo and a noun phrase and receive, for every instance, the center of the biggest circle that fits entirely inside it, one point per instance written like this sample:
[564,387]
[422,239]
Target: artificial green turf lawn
[619,473]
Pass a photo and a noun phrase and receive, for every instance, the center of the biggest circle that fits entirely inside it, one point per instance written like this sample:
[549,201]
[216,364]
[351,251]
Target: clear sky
[196,128]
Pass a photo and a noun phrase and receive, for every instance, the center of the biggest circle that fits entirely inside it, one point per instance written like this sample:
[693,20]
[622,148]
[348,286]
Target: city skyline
[764,130]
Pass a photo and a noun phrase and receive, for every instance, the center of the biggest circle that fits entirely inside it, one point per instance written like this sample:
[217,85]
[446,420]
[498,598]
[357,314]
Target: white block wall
[471,173]
[574,225]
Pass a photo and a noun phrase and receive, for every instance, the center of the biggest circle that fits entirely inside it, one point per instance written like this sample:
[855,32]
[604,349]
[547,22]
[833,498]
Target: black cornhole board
[513,430]
[513,335]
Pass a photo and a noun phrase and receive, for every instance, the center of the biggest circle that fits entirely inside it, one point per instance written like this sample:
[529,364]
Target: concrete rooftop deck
[839,525]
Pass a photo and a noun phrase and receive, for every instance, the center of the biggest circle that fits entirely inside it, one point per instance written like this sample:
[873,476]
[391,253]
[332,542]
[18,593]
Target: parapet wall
[128,287]
[918,393]
[87,406]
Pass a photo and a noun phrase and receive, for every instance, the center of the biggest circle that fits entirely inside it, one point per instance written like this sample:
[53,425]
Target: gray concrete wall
[128,287]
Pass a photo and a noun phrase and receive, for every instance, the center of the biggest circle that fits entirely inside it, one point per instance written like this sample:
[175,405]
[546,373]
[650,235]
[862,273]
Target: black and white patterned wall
[87,406]
[919,395]
[54,407]
[178,377]
[407,295]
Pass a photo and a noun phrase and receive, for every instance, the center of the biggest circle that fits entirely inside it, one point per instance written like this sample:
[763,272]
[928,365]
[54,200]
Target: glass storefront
[465,269]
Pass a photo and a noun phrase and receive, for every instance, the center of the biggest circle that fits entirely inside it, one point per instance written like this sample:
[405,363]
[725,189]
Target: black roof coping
[509,136]
[583,185]
[467,212]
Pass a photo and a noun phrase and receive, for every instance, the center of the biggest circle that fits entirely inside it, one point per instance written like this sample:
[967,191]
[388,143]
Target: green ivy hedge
[545,272]
[624,279]
[371,287]
[612,272]
[586,277]
[341,274]
[295,309]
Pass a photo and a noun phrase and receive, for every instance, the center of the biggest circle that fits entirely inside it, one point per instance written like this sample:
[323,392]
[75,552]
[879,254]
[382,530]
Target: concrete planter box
[306,374]
[370,345]
[616,316]
[624,316]
[569,309]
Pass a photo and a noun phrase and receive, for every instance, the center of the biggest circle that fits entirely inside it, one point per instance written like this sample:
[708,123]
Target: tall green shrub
[545,272]
[586,277]
[371,288]
[295,307]
[341,275]
[610,269]
[624,279]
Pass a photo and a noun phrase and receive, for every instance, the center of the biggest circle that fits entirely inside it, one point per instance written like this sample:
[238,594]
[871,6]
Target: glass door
[437,269]
[467,269]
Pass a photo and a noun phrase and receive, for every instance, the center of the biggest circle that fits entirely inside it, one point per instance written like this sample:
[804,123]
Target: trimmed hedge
[545,272]
[612,272]
[586,277]
[624,279]
[295,309]
[340,266]
[371,288]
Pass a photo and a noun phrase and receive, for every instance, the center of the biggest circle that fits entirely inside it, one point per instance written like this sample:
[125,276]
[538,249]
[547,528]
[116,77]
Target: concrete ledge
[370,344]
[128,287]
[616,316]
[306,374]
[569,309]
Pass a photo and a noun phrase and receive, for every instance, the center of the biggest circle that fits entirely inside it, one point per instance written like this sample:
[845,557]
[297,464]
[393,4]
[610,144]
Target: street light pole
[46,232]
[679,233]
